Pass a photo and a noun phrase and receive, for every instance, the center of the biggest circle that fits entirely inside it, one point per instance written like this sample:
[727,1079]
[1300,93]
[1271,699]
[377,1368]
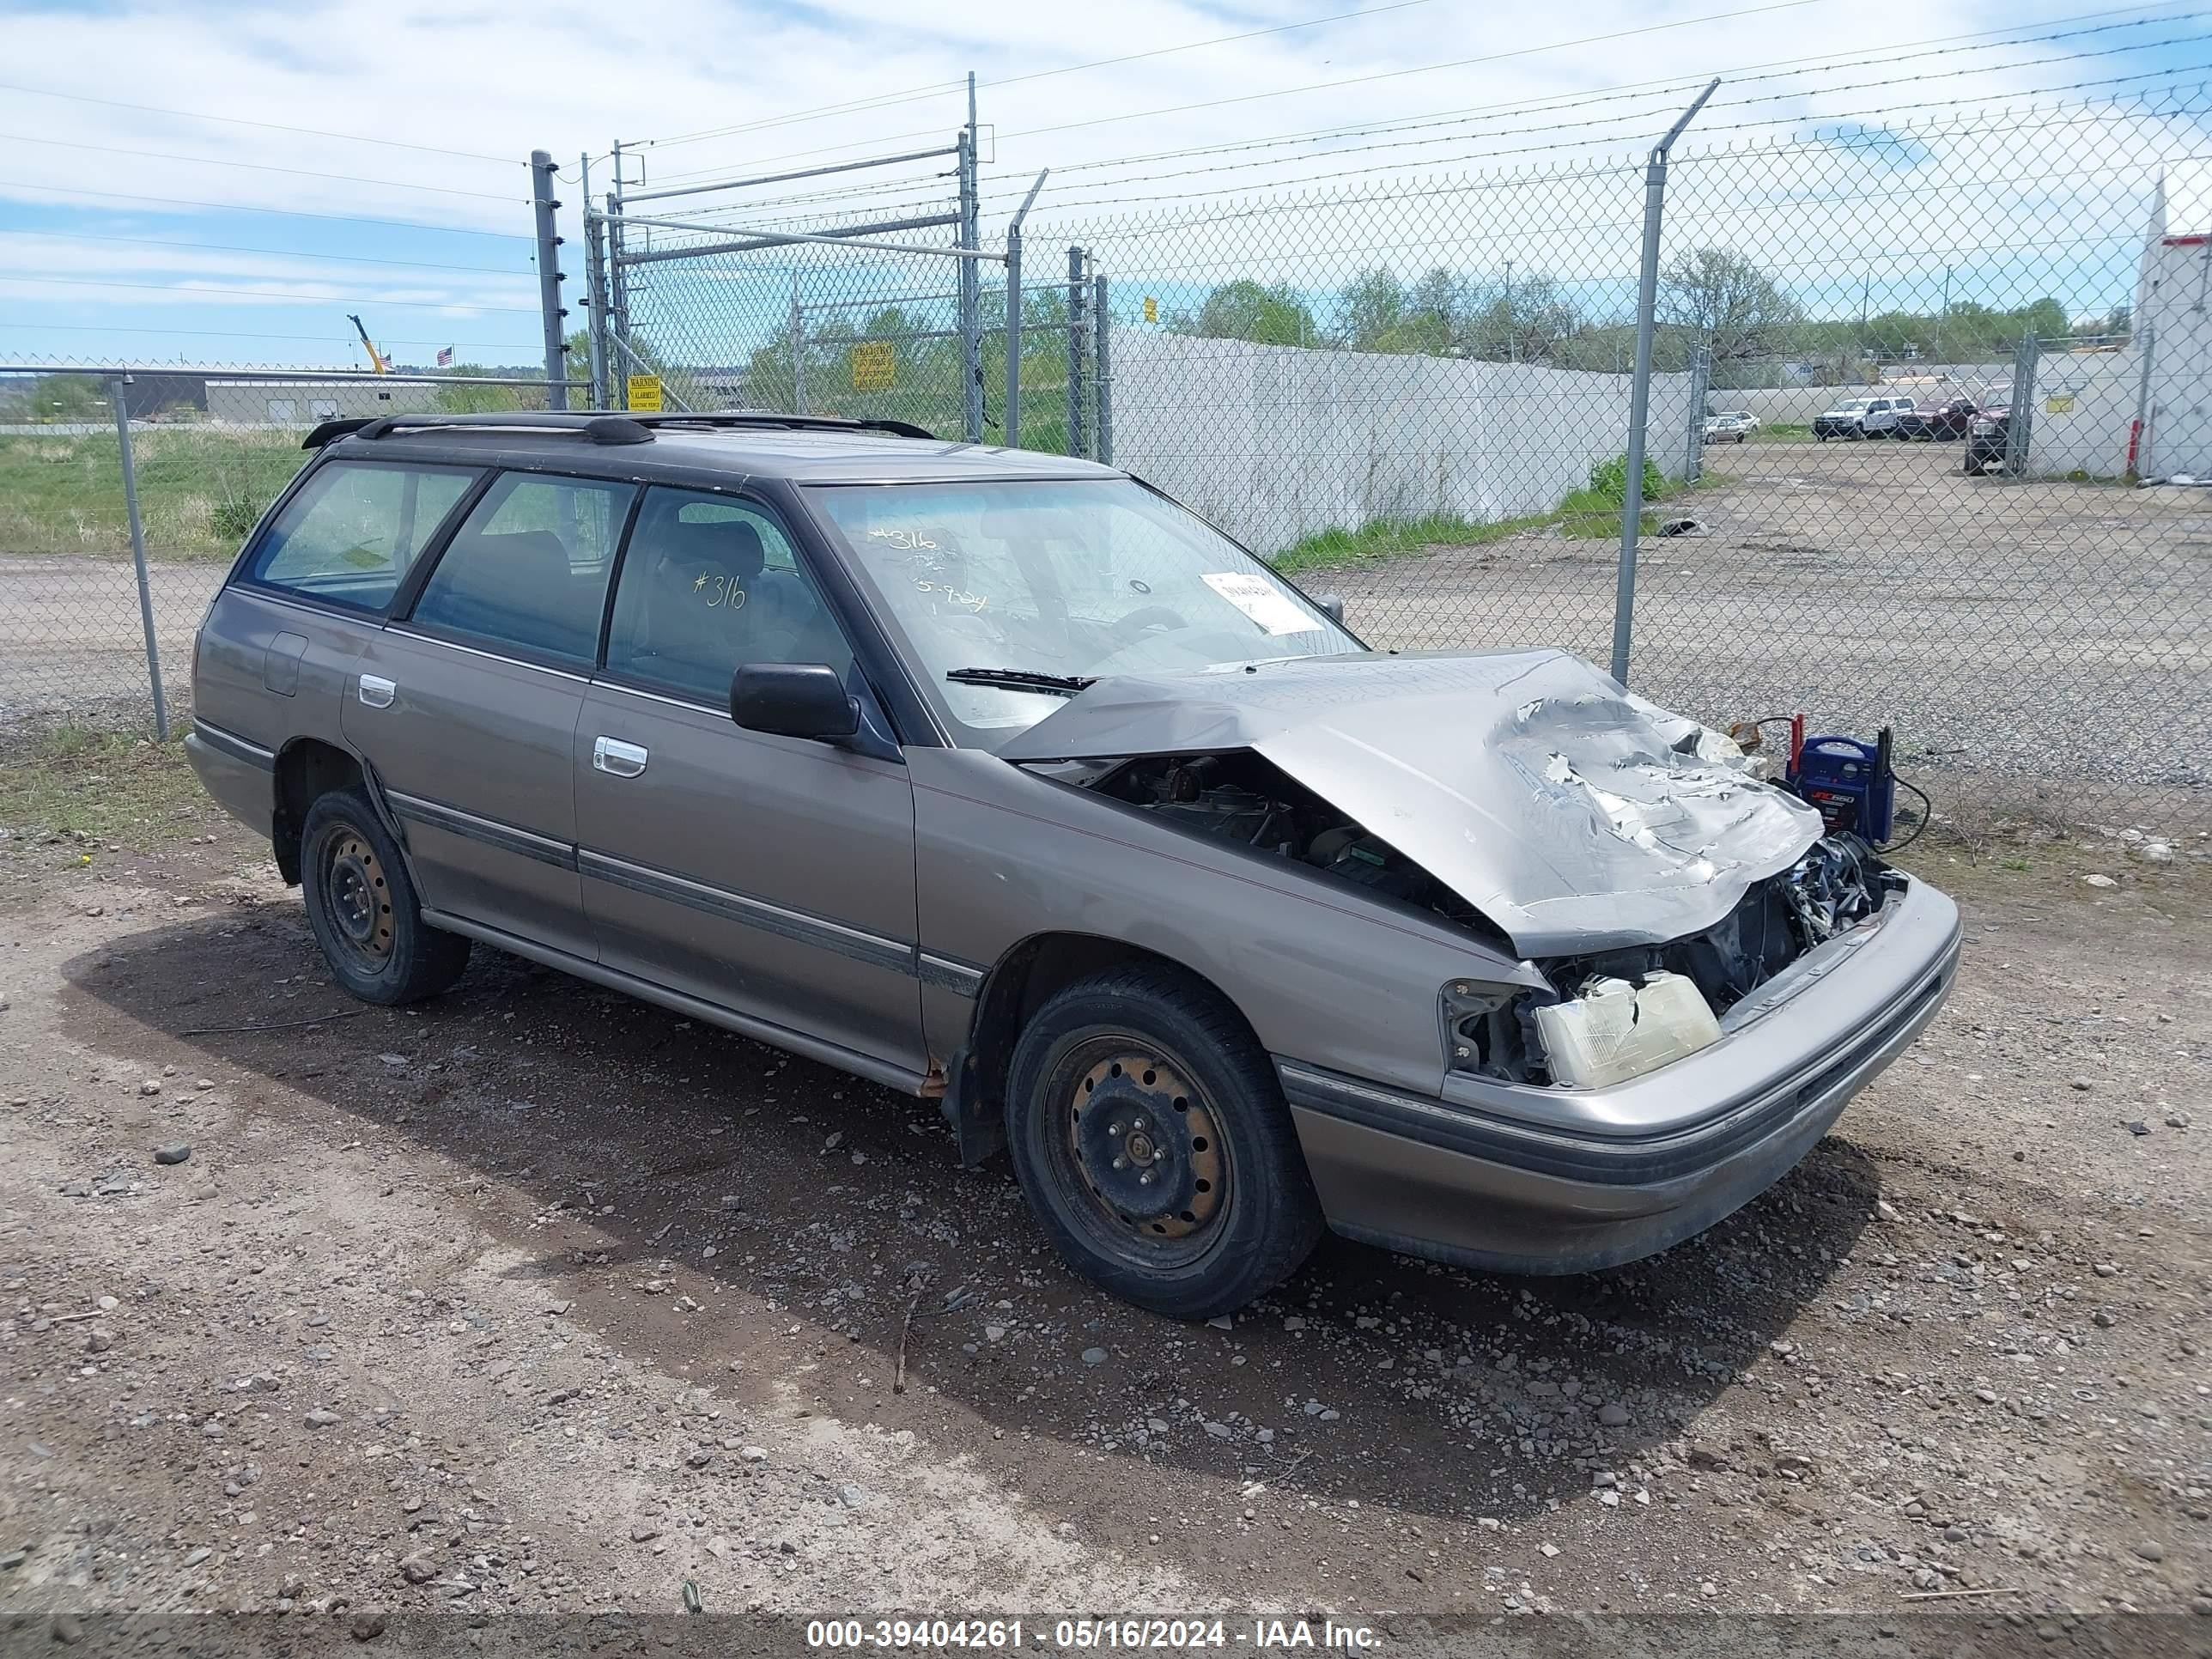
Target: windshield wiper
[1023,679]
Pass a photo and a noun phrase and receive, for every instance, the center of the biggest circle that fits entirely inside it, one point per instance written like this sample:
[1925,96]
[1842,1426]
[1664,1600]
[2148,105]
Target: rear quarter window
[349,534]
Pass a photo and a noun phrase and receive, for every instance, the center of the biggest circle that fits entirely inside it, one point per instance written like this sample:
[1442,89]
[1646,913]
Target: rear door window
[351,533]
[709,584]
[525,575]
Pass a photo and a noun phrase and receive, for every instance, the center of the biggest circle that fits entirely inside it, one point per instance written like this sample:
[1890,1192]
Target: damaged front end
[1615,1014]
[1638,863]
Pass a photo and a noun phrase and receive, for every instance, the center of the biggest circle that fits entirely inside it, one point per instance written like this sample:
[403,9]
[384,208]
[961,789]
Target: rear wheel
[1153,1145]
[362,908]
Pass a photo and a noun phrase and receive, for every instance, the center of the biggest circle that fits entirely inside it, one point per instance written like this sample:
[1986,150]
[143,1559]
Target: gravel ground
[72,644]
[2043,645]
[535,1298]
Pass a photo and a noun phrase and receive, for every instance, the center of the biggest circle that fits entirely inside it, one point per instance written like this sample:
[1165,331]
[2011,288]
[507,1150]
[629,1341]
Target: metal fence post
[595,279]
[2020,426]
[551,309]
[1639,393]
[1102,377]
[1701,374]
[139,553]
[2139,440]
[1078,341]
[798,352]
[1011,431]
[971,281]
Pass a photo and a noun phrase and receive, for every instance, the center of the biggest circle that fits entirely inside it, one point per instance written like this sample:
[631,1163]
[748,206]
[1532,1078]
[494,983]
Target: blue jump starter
[1850,783]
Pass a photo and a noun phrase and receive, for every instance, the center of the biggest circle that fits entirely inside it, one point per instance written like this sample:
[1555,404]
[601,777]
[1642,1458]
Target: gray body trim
[861,945]
[712,1013]
[230,743]
[508,838]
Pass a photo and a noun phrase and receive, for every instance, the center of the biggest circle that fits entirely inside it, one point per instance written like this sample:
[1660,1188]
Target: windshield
[1073,580]
[1850,407]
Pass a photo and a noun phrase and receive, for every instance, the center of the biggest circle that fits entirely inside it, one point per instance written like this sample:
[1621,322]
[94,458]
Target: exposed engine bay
[1839,881]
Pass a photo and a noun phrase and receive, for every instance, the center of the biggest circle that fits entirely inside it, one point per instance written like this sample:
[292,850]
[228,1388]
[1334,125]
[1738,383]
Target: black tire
[363,909]
[1226,1210]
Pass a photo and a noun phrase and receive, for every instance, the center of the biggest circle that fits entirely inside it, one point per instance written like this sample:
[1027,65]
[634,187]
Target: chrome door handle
[617,758]
[377,692]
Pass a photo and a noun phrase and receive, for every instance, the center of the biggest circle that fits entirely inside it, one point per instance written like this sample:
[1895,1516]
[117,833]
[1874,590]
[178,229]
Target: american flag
[444,357]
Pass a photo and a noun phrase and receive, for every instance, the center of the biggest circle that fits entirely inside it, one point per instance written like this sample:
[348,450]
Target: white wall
[2175,306]
[2085,402]
[1275,443]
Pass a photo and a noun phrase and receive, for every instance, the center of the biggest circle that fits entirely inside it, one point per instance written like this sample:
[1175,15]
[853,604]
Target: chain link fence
[1929,410]
[96,623]
[1928,418]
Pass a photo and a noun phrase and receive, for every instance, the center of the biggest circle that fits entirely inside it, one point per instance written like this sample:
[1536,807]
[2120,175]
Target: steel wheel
[357,899]
[1140,1149]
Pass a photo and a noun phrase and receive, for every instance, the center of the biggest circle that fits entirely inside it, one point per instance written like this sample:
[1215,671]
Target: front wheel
[362,908]
[1153,1145]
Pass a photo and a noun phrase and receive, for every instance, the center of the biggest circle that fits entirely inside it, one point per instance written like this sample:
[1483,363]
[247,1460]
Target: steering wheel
[1150,616]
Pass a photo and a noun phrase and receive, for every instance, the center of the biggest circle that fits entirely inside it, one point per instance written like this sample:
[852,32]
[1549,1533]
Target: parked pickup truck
[1861,417]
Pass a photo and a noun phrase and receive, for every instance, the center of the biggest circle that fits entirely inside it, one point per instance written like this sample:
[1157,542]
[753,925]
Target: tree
[1369,308]
[1725,297]
[1530,322]
[1244,310]
[67,398]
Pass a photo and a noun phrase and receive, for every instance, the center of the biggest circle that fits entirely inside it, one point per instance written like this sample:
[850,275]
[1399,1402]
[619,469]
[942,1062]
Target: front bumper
[1503,1176]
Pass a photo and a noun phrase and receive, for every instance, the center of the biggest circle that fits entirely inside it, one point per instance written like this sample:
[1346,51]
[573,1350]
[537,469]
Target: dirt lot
[2048,640]
[535,1298]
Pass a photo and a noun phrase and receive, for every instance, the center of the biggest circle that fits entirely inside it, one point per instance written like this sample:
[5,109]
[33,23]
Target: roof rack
[601,428]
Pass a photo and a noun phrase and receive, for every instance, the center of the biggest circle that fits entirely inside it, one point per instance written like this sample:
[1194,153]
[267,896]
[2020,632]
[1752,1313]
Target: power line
[1361,80]
[338,335]
[1566,99]
[267,293]
[1614,120]
[1561,103]
[268,126]
[245,207]
[278,252]
[885,101]
[1533,149]
[1778,68]
[263,166]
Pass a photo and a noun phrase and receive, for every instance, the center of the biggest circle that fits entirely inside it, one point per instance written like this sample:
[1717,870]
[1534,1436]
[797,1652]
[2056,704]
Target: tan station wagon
[1000,778]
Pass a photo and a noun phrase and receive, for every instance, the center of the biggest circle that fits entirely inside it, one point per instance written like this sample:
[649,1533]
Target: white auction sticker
[1258,598]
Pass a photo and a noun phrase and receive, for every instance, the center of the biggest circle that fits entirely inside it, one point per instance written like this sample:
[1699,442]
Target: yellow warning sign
[1151,309]
[874,366]
[645,394]
[2058,403]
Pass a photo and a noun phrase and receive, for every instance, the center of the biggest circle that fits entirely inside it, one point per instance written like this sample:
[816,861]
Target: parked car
[1989,438]
[999,779]
[1860,417]
[1944,419]
[1731,427]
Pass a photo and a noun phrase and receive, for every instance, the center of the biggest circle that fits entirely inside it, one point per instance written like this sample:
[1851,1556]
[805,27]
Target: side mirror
[1332,604]
[794,700]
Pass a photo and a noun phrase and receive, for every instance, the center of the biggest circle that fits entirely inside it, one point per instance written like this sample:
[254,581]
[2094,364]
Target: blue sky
[370,158]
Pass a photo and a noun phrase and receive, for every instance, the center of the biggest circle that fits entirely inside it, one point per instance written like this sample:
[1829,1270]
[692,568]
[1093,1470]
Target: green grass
[1590,512]
[1390,538]
[199,489]
[85,785]
[1784,434]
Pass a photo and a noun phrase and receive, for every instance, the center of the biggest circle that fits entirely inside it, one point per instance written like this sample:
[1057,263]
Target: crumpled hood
[1572,813]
